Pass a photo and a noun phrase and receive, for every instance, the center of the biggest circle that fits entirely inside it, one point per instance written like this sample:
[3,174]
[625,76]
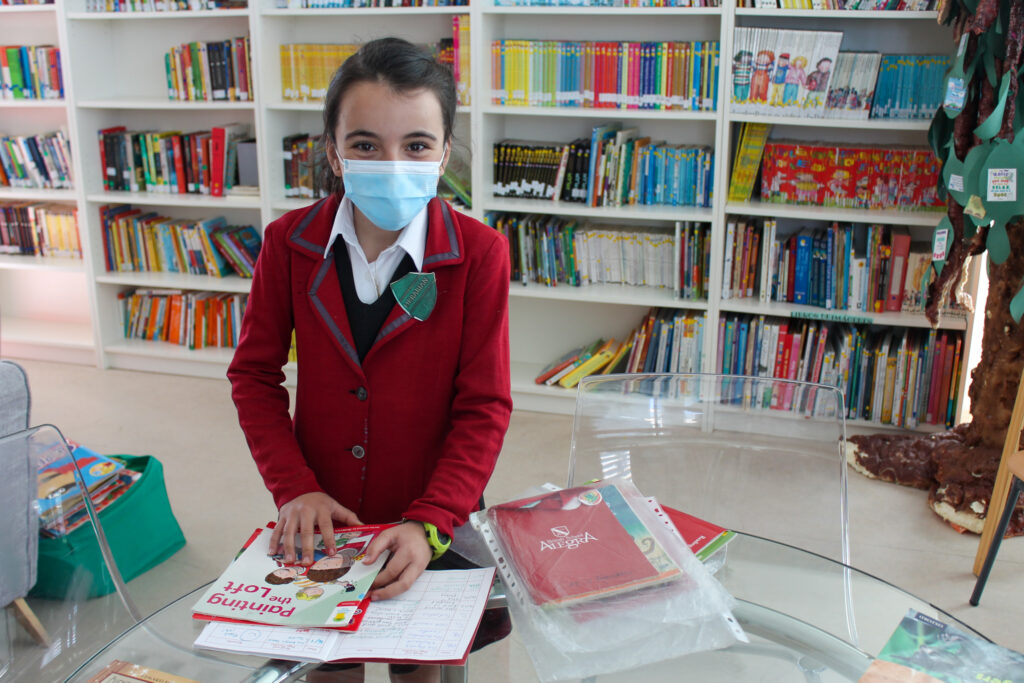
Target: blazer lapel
[443,248]
[323,288]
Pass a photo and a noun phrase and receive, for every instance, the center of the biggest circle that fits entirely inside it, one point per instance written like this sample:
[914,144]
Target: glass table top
[808,619]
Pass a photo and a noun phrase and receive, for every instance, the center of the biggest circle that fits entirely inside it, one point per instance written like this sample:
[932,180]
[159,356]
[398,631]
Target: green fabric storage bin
[140,528]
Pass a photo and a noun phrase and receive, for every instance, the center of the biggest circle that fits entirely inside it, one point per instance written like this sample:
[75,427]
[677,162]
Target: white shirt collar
[412,238]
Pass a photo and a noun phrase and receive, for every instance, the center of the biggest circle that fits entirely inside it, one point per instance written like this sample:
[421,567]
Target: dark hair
[397,63]
[327,575]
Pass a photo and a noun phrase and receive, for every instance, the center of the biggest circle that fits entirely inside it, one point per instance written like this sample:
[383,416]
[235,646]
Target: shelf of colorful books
[363,11]
[59,264]
[33,103]
[859,124]
[628,295]
[951,320]
[156,103]
[206,283]
[883,15]
[834,213]
[147,16]
[605,11]
[57,340]
[24,9]
[36,194]
[167,199]
[595,113]
[528,395]
[656,212]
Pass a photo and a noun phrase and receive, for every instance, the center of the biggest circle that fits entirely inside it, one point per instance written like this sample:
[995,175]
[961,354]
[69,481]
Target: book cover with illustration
[58,492]
[579,544]
[259,587]
[925,650]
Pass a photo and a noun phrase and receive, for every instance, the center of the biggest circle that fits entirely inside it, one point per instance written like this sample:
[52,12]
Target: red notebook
[578,544]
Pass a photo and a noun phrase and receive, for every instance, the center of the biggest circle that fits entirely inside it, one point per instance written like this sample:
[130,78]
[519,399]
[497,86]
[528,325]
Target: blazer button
[361,393]
[358,452]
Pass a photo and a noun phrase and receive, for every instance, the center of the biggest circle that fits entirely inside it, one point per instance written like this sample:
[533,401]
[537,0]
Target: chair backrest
[760,456]
[77,625]
[15,399]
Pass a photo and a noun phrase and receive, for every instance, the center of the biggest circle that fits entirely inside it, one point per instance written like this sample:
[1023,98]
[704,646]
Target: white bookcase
[114,74]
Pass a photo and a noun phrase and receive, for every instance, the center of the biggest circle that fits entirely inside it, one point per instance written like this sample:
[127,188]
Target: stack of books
[62,506]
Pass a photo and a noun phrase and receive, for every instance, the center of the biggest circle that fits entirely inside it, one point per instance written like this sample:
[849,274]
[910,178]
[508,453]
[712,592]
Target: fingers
[306,536]
[404,580]
[344,515]
[326,525]
[275,538]
[382,542]
[288,531]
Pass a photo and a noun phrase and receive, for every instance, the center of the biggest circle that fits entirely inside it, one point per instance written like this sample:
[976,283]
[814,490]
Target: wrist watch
[438,541]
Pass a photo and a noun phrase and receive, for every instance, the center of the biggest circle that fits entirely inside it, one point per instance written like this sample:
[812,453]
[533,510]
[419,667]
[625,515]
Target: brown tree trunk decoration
[958,467]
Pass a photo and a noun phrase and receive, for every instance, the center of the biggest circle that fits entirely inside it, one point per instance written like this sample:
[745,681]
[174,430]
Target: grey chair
[17,490]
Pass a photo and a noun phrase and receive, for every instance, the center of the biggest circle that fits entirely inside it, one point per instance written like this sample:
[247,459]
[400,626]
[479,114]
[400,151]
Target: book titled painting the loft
[260,587]
[580,544]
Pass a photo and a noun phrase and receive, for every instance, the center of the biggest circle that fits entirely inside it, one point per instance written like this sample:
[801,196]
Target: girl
[399,307]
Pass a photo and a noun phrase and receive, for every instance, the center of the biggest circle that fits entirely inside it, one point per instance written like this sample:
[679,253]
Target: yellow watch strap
[438,542]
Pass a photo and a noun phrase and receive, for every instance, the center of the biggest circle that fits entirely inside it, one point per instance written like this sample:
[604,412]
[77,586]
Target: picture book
[923,649]
[434,621]
[580,544]
[102,496]
[259,587]
[125,672]
[58,491]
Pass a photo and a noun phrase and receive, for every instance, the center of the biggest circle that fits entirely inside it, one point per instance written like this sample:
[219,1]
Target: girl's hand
[300,516]
[410,554]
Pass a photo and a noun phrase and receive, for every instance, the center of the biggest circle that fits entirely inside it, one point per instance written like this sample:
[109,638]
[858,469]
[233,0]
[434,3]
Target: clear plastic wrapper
[598,581]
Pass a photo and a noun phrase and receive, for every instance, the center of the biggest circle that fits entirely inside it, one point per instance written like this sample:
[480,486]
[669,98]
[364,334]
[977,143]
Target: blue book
[830,267]
[58,489]
[802,271]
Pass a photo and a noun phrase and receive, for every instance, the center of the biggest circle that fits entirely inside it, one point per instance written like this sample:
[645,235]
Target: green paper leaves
[1017,304]
[990,126]
[940,243]
[416,293]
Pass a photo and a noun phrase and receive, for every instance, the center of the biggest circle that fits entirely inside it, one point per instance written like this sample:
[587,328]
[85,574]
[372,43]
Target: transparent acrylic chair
[764,457]
[78,625]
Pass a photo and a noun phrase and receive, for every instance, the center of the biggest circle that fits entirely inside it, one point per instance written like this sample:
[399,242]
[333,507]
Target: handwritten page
[432,621]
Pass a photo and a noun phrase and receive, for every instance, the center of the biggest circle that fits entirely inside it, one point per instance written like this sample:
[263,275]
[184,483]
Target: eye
[362,146]
[418,147]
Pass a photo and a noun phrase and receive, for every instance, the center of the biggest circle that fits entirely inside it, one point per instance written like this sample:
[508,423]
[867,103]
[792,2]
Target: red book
[109,173]
[179,163]
[703,537]
[954,385]
[945,383]
[898,268]
[579,544]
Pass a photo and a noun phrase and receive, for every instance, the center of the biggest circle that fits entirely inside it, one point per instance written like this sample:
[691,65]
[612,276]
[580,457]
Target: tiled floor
[218,497]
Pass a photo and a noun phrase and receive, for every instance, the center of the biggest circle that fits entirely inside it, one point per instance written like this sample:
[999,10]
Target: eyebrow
[370,134]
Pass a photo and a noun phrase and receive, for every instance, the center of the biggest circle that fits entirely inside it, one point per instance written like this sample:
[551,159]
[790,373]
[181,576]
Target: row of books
[210,70]
[333,4]
[666,340]
[910,86]
[299,152]
[903,377]
[862,5]
[872,268]
[550,250]
[36,161]
[850,176]
[307,68]
[138,241]
[605,74]
[196,320]
[30,72]
[62,506]
[162,5]
[39,229]
[615,168]
[26,2]
[201,162]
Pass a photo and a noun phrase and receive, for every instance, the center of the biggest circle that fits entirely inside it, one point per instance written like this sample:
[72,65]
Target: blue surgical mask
[390,193]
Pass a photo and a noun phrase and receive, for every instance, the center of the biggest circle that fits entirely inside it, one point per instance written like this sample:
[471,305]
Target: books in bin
[579,544]
[923,649]
[59,494]
[261,588]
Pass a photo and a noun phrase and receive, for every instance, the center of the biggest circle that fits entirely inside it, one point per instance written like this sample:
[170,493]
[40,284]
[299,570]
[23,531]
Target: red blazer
[414,431]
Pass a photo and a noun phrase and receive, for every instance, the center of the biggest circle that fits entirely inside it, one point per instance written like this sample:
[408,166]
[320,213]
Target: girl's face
[375,123]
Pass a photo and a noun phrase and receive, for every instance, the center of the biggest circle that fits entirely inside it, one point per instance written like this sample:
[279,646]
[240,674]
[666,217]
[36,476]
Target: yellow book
[589,366]
[621,354]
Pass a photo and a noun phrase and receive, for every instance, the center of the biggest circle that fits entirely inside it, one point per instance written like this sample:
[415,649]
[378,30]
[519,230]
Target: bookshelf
[105,89]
